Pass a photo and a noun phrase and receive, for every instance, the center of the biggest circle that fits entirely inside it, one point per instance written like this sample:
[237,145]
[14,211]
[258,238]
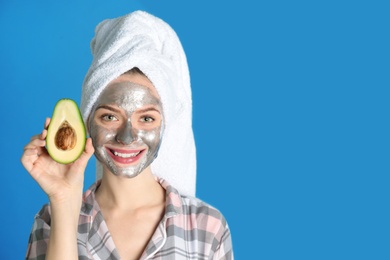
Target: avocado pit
[66,137]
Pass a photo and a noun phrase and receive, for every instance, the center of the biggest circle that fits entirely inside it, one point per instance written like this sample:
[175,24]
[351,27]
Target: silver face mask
[126,127]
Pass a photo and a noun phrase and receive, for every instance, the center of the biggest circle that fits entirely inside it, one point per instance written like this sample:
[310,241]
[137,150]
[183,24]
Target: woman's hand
[59,181]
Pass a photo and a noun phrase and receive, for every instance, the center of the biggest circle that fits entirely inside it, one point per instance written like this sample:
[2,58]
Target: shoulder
[192,209]
[196,206]
[204,216]
[192,213]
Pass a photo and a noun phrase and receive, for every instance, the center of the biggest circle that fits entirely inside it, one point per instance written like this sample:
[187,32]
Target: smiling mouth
[126,157]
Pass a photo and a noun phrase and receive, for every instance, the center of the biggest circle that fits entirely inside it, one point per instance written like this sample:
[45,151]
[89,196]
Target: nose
[125,134]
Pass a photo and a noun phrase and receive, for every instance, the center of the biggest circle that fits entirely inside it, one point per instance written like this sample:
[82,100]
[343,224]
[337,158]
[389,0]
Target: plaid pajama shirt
[190,229]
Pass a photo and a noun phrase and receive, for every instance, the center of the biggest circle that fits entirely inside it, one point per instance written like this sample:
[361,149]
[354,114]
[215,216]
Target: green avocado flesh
[66,135]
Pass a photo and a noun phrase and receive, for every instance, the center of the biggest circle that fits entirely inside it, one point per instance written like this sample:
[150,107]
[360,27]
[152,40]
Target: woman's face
[126,125]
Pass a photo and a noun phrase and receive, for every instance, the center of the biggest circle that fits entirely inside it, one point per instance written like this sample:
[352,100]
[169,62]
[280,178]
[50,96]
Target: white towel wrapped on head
[142,40]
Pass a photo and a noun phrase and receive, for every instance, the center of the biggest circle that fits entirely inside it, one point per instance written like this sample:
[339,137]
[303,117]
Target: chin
[127,172]
[128,175]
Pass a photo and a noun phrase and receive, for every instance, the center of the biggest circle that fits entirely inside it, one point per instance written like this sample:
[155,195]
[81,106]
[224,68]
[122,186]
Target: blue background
[291,115]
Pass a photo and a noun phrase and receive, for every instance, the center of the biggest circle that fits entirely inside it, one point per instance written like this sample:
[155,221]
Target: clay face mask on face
[126,128]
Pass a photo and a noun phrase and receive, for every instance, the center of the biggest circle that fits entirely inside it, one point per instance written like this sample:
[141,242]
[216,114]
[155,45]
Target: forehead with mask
[126,124]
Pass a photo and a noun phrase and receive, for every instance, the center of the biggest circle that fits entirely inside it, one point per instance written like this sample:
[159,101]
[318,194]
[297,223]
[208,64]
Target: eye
[109,117]
[147,119]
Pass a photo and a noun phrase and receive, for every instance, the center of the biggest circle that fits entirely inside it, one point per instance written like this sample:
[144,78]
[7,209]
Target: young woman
[136,104]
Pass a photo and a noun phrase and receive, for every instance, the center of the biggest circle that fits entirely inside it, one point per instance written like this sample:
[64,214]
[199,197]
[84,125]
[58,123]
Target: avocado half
[66,135]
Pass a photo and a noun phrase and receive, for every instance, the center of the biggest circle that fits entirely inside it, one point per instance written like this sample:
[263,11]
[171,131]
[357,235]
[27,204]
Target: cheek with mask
[125,137]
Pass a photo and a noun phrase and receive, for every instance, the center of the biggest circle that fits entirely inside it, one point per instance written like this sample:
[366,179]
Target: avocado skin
[66,110]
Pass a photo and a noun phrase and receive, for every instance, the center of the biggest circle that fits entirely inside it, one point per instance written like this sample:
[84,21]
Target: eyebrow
[138,111]
[108,108]
[147,110]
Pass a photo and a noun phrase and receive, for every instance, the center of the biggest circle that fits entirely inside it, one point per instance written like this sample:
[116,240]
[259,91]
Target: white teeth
[126,155]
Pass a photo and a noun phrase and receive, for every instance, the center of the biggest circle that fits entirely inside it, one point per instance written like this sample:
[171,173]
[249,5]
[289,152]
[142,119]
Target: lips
[125,156]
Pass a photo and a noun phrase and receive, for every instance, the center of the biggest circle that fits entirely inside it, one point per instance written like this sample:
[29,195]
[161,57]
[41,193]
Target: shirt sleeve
[39,236]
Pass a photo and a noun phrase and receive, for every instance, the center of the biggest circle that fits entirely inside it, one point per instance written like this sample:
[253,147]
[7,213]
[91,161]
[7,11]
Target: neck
[129,193]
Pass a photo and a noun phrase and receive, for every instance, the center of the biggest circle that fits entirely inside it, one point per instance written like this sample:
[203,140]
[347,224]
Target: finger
[47,122]
[35,143]
[38,136]
[80,164]
[43,134]
[86,155]
[89,150]
[28,158]
[32,151]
